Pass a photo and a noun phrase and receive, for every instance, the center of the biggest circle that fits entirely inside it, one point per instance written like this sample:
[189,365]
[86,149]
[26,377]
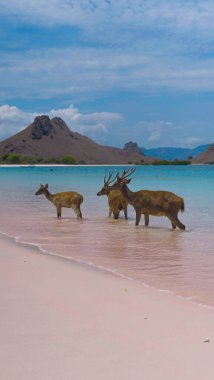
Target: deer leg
[116,214]
[173,225]
[79,216]
[175,221]
[146,218]
[58,210]
[110,212]
[138,217]
[125,213]
[77,211]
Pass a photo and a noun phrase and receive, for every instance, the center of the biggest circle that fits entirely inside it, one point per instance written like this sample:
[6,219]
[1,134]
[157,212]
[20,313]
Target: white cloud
[137,45]
[69,72]
[13,119]
[93,124]
[97,132]
[191,142]
[54,72]
[107,128]
[93,128]
[123,46]
[101,116]
[155,136]
[72,115]
[12,113]
[155,131]
[159,133]
[83,13]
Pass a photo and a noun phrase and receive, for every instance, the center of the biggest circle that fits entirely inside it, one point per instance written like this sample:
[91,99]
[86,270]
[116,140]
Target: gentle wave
[90,265]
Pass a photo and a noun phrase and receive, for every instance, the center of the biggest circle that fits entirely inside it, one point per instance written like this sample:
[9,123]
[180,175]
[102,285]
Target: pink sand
[61,321]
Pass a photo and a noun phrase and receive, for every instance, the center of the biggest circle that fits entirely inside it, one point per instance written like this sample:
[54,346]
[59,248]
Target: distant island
[51,141]
[171,154]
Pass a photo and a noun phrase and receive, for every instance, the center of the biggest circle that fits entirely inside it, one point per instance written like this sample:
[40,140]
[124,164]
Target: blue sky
[140,70]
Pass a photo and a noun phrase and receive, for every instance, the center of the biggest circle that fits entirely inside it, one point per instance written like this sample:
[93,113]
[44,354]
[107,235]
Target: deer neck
[127,194]
[48,195]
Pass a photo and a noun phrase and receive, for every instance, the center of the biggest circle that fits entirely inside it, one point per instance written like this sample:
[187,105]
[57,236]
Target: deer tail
[80,199]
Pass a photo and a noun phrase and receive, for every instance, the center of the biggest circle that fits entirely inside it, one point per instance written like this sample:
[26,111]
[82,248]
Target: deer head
[123,179]
[42,189]
[106,187]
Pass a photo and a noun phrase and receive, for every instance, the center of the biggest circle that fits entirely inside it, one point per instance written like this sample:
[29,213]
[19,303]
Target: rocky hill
[51,138]
[132,147]
[206,157]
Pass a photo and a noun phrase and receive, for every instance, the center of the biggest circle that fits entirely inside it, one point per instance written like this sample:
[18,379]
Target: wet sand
[64,321]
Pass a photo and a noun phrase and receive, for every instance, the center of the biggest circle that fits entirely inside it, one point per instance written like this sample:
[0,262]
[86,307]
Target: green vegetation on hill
[18,159]
[162,162]
[175,162]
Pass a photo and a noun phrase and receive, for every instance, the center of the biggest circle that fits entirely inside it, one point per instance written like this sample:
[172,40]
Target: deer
[148,202]
[68,199]
[115,199]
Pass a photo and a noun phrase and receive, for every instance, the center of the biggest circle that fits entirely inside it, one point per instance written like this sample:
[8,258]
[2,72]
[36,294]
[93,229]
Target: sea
[172,261]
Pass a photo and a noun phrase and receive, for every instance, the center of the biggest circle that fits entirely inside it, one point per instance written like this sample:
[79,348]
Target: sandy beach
[64,321]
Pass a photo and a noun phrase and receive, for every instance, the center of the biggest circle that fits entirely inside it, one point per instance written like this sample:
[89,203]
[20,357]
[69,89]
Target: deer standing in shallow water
[157,203]
[115,199]
[68,199]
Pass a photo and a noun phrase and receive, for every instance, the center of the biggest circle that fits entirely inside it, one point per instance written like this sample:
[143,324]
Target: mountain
[133,148]
[51,138]
[206,157]
[171,154]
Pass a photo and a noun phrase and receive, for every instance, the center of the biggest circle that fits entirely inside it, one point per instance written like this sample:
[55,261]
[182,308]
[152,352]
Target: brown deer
[68,199]
[157,203]
[115,199]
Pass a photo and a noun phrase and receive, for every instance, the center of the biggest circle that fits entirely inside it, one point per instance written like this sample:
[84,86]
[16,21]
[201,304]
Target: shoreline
[63,321]
[61,165]
[88,165]
[16,240]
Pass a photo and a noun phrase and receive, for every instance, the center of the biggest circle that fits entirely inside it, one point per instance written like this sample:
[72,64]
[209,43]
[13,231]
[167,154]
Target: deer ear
[46,186]
[129,180]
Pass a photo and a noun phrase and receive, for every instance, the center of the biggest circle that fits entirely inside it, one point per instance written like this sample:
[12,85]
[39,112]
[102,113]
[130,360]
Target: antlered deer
[157,203]
[68,199]
[115,199]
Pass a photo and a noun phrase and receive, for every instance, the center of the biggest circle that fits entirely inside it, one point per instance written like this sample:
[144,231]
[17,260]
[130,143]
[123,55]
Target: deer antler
[107,182]
[126,173]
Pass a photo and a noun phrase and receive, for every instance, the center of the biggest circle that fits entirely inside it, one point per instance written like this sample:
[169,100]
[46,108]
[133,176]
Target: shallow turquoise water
[181,262]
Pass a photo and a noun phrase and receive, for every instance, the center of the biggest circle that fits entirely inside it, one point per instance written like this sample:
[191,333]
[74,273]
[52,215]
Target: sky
[139,70]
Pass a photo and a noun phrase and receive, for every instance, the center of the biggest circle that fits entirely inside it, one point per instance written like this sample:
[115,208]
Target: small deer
[115,199]
[157,203]
[68,199]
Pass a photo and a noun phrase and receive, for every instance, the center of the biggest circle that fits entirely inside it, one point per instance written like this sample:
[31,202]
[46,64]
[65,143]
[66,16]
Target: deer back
[67,198]
[158,202]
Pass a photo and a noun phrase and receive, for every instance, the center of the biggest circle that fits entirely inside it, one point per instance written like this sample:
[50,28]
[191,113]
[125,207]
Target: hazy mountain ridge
[169,153]
[206,157]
